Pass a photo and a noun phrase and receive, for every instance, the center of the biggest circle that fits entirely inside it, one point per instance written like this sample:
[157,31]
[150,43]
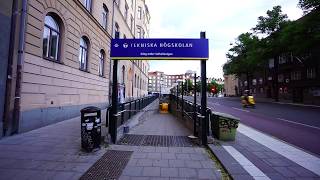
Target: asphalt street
[297,125]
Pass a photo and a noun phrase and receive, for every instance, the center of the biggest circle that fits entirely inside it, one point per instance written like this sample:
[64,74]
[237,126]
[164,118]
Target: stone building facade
[63,61]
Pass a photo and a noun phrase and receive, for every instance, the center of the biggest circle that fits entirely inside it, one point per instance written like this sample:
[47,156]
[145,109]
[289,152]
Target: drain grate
[109,166]
[156,140]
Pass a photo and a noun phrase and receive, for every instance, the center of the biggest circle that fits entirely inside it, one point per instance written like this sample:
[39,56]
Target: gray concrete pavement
[149,162]
[51,152]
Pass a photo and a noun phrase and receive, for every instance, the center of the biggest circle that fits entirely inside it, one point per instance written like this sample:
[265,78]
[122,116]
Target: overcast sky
[223,21]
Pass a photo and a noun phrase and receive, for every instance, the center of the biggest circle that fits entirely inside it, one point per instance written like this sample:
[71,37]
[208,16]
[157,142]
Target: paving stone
[161,163]
[183,156]
[151,171]
[188,173]
[132,171]
[206,174]
[188,150]
[169,172]
[175,149]
[139,155]
[176,163]
[168,156]
[208,164]
[144,162]
[198,157]
[132,162]
[193,164]
[154,155]
[139,178]
[148,149]
[159,178]
[124,178]
[162,149]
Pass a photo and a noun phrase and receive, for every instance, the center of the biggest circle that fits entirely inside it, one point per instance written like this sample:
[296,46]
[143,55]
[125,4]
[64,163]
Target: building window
[83,54]
[296,75]
[117,29]
[105,16]
[139,32]
[311,73]
[139,12]
[51,38]
[135,80]
[101,63]
[123,74]
[131,22]
[87,4]
[126,12]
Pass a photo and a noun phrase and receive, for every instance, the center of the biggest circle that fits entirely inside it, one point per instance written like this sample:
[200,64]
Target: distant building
[159,81]
[231,85]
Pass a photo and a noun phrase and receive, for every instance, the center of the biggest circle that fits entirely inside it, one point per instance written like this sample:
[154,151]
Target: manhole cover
[156,140]
[109,166]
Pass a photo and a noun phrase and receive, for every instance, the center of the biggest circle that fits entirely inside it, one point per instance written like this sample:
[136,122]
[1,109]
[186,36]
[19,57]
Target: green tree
[272,22]
[309,5]
[244,57]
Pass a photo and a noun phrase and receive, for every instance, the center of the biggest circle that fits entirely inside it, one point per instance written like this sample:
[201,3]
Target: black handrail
[130,108]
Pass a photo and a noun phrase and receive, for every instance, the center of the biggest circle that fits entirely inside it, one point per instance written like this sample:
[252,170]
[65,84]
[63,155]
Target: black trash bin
[90,128]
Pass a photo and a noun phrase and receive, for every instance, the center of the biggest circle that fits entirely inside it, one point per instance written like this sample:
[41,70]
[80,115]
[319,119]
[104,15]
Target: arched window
[123,74]
[83,54]
[101,63]
[87,4]
[105,16]
[51,38]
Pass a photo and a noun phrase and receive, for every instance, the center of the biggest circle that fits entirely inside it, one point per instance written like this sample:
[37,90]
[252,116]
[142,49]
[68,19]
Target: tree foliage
[309,5]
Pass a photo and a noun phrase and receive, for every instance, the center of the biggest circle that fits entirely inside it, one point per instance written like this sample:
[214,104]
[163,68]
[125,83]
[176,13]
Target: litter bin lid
[226,115]
[90,109]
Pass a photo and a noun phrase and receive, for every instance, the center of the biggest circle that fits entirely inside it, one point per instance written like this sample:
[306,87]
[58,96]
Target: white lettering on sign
[161,45]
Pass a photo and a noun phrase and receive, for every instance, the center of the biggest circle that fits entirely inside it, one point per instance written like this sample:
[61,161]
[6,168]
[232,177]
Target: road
[297,125]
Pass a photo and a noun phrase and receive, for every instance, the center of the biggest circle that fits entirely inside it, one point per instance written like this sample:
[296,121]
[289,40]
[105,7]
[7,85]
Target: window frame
[87,3]
[83,50]
[102,55]
[139,12]
[49,43]
[105,17]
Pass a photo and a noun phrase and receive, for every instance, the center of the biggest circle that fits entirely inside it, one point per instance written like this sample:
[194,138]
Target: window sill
[84,70]
[53,60]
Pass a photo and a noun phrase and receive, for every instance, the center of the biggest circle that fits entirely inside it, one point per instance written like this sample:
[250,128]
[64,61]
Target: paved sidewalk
[255,155]
[51,152]
[149,162]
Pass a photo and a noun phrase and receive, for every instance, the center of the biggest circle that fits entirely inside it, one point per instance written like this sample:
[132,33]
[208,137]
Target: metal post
[114,110]
[177,96]
[182,102]
[195,133]
[203,97]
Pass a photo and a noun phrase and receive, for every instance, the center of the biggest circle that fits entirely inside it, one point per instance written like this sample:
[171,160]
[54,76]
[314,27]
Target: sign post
[204,120]
[114,107]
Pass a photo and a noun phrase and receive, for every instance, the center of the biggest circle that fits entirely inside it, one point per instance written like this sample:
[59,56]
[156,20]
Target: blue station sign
[160,49]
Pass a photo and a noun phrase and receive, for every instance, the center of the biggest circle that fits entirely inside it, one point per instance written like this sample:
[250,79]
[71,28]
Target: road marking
[296,155]
[314,127]
[240,109]
[253,170]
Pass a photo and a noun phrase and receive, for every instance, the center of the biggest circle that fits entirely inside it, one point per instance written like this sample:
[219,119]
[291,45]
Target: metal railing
[188,111]
[128,109]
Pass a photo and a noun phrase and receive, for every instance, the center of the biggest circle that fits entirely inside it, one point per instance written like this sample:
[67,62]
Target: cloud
[223,21]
